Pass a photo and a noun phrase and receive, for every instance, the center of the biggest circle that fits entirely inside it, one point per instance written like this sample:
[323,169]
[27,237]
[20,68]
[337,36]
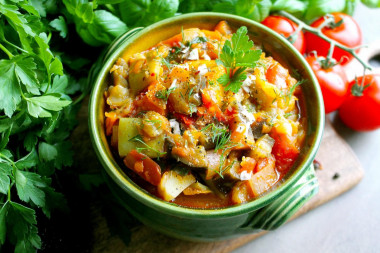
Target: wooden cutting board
[339,172]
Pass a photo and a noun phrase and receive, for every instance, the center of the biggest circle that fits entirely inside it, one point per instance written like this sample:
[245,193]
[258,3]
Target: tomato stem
[318,31]
[293,37]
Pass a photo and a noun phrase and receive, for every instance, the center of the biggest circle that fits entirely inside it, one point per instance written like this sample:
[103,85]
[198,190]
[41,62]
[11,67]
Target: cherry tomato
[362,113]
[286,27]
[348,34]
[333,83]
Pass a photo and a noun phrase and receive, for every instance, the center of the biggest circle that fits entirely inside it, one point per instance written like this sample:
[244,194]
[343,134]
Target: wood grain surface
[340,171]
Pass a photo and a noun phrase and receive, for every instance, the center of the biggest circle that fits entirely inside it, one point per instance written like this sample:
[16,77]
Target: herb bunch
[37,115]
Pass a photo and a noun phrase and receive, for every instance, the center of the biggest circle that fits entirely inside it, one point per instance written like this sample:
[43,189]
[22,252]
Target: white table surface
[351,222]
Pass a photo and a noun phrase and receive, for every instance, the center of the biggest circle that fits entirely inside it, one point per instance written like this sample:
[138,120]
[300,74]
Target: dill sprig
[139,139]
[164,94]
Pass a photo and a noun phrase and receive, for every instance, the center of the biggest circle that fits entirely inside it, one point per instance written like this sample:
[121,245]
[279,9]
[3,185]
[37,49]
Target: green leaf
[291,6]
[81,9]
[5,137]
[28,161]
[39,6]
[103,30]
[237,80]
[109,1]
[158,10]
[196,5]
[227,6]
[10,95]
[3,228]
[227,56]
[25,71]
[248,59]
[351,5]
[43,51]
[39,106]
[241,41]
[53,200]
[261,10]
[131,11]
[5,124]
[16,18]
[371,3]
[146,12]
[56,67]
[5,170]
[65,154]
[6,153]
[29,8]
[29,187]
[60,25]
[20,222]
[30,140]
[47,152]
[224,79]
[318,8]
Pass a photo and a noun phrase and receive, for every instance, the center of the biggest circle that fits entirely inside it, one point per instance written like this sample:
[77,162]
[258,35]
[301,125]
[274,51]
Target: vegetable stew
[205,119]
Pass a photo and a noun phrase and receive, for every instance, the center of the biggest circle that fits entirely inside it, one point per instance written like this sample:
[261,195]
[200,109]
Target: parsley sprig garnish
[237,55]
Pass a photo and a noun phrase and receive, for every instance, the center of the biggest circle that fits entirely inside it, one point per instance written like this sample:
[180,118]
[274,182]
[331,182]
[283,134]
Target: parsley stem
[318,31]
[17,47]
[6,158]
[10,55]
[9,193]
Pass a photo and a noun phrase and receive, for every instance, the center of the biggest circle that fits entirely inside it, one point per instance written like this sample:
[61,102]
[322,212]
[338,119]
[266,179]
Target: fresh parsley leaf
[20,224]
[53,200]
[237,80]
[64,154]
[247,59]
[29,187]
[60,25]
[240,40]
[47,152]
[28,161]
[3,227]
[224,79]
[59,85]
[10,95]
[40,106]
[237,55]
[5,170]
[5,137]
[25,71]
[227,55]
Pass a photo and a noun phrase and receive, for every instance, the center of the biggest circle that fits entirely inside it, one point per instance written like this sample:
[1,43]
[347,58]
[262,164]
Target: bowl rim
[156,203]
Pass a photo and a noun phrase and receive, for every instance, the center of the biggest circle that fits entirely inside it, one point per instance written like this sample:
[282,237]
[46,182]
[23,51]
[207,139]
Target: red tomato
[284,150]
[333,83]
[348,34]
[362,113]
[286,27]
[144,166]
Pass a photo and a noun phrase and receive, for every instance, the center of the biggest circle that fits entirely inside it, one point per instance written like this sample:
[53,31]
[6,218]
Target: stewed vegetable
[204,119]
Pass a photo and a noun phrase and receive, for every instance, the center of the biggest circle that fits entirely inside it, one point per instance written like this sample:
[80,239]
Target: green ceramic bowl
[267,212]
